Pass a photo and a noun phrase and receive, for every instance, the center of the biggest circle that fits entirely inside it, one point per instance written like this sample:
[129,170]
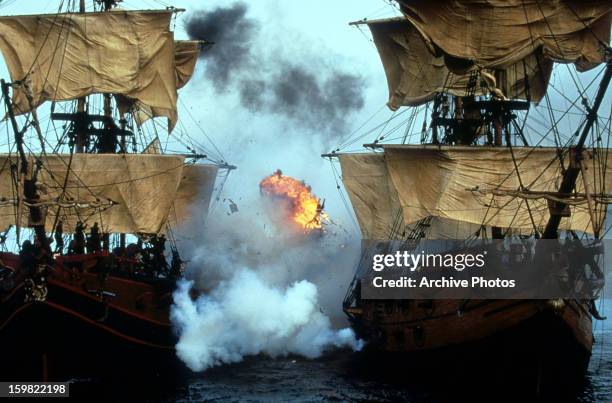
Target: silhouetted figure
[93,242]
[107,144]
[79,238]
[72,247]
[106,241]
[27,255]
[176,267]
[42,253]
[59,237]
[119,251]
[132,251]
[158,244]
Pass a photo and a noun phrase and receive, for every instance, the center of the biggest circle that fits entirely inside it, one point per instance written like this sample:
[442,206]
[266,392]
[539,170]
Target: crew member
[176,268]
[27,256]
[93,243]
[79,238]
[106,241]
[159,246]
[59,237]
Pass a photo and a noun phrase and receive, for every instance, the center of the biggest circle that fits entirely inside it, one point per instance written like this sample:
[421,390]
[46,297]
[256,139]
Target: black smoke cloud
[232,31]
[299,89]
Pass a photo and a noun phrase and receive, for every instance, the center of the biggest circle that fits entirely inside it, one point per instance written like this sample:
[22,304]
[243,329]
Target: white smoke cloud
[257,291]
[245,316]
[241,262]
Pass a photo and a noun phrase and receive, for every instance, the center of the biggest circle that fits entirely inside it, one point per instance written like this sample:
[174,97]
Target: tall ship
[494,159]
[96,193]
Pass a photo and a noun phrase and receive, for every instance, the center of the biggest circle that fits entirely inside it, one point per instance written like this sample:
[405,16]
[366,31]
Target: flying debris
[233,206]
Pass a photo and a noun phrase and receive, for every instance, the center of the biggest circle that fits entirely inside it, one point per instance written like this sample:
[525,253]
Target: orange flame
[305,209]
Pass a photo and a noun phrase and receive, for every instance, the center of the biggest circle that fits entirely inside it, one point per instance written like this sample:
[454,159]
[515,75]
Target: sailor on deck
[59,237]
[158,247]
[79,239]
[93,242]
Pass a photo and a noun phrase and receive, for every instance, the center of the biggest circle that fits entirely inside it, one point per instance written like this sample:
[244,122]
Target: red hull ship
[103,302]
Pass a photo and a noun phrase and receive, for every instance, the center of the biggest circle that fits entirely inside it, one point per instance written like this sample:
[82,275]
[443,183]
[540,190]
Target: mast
[575,154]
[37,218]
[108,4]
[80,131]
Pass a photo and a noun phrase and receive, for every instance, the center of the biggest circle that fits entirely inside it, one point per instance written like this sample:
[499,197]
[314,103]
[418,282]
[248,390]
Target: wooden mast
[80,131]
[108,114]
[37,217]
[575,154]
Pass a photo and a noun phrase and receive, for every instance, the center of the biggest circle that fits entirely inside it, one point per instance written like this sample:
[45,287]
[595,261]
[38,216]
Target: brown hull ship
[95,301]
[536,349]
[475,175]
[413,326]
[87,319]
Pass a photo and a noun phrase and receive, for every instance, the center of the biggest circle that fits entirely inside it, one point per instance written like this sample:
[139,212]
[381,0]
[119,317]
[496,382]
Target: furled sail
[66,56]
[415,74]
[185,56]
[509,45]
[455,183]
[500,33]
[121,192]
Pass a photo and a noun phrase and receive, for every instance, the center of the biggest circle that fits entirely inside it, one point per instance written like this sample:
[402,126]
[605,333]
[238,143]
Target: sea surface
[338,377]
[333,378]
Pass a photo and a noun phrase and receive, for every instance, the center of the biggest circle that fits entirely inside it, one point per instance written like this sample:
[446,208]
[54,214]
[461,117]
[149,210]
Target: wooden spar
[365,21]
[589,198]
[18,134]
[28,186]
[497,232]
[122,123]
[570,198]
[357,23]
[79,145]
[225,165]
[571,173]
[329,155]
[23,168]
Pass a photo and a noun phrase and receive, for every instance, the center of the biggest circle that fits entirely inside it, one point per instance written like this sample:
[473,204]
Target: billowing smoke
[263,287]
[257,290]
[269,77]
[246,316]
[233,31]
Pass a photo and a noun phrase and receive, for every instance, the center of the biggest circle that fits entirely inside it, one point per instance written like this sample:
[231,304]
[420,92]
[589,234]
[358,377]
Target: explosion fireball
[304,208]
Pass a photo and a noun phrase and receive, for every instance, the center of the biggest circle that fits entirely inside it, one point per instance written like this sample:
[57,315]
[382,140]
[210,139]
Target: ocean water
[339,377]
[598,387]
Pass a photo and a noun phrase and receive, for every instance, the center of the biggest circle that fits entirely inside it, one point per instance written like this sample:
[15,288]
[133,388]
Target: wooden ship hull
[540,347]
[478,136]
[88,322]
[65,312]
